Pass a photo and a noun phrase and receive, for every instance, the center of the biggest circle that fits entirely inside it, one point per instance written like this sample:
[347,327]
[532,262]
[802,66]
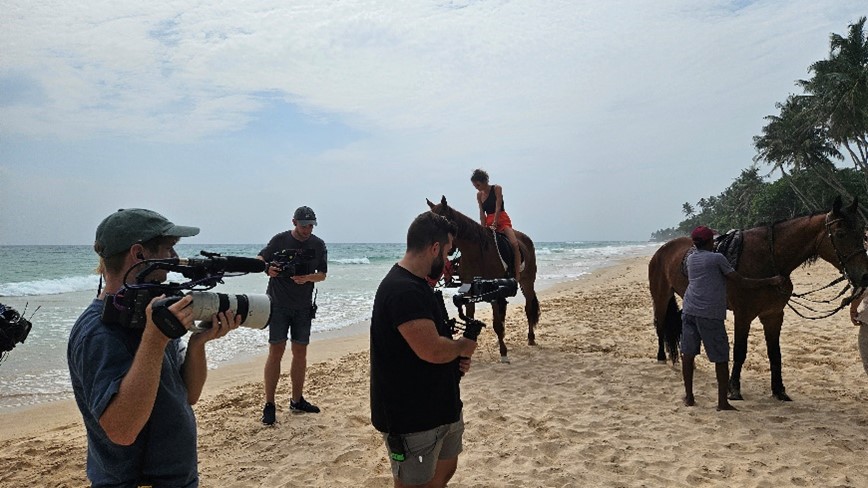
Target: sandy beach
[588,406]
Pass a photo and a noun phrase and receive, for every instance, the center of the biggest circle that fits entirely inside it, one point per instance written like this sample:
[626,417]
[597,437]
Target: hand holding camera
[175,306]
[291,263]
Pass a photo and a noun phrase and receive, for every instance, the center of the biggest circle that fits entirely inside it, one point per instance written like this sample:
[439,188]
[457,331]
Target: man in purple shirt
[704,312]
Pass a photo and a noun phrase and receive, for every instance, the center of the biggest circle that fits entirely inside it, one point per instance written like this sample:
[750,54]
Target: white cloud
[574,105]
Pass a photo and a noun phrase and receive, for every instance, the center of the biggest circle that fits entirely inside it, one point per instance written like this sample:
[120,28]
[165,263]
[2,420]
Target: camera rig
[127,306]
[292,262]
[13,329]
[478,290]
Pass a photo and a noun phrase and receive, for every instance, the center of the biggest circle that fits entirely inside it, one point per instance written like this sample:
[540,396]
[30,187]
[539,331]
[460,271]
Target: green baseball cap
[120,230]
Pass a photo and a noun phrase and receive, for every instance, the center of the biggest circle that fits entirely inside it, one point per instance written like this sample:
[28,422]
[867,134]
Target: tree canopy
[814,130]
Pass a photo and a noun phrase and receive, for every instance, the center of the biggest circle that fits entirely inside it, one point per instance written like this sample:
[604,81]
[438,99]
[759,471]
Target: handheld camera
[479,290]
[13,329]
[127,307]
[293,262]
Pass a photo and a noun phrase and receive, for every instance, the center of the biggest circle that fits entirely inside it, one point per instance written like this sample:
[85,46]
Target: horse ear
[430,205]
[836,205]
[443,200]
[853,206]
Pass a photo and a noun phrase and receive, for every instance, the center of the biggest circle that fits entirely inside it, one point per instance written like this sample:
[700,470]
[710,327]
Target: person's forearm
[447,350]
[309,278]
[195,369]
[317,277]
[131,407]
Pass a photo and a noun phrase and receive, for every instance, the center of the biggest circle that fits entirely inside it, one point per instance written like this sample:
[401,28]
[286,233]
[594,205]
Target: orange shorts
[503,221]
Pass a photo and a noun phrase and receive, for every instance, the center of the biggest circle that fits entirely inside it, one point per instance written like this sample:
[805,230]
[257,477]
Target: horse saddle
[729,244]
[504,248]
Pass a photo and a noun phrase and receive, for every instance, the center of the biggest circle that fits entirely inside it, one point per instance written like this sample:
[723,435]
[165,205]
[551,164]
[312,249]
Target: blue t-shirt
[164,453]
[706,292]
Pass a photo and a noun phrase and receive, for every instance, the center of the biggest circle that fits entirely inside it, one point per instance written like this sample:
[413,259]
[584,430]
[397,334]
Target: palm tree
[840,93]
[793,140]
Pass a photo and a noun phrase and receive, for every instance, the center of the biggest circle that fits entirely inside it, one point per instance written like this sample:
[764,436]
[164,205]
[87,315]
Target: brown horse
[780,248]
[479,258]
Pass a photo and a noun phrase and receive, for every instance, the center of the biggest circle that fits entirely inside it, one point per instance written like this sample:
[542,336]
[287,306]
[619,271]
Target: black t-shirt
[407,393]
[283,291]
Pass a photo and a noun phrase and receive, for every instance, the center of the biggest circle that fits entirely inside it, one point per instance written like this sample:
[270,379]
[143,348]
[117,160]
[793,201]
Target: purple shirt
[706,292]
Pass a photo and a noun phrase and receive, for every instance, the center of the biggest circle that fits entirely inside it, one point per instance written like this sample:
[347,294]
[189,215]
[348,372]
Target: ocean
[51,285]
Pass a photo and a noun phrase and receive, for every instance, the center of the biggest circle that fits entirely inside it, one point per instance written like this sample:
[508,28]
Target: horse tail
[532,311]
[672,329]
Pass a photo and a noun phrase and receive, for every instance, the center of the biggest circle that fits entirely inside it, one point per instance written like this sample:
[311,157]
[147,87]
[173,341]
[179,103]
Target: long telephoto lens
[255,310]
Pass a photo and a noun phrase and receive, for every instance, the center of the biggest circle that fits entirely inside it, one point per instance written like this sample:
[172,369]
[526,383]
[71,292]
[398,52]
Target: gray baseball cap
[304,216]
[120,230]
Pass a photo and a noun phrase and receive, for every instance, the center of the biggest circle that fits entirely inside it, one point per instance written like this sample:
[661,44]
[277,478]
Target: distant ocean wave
[351,261]
[49,287]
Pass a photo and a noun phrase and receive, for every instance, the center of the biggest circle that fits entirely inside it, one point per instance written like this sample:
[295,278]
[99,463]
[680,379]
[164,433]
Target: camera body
[127,307]
[293,262]
[480,290]
[13,329]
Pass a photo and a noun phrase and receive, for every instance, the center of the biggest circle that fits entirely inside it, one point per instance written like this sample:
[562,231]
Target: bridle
[843,260]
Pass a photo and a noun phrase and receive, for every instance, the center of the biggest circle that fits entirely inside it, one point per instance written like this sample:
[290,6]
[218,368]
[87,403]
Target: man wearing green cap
[291,312]
[134,387]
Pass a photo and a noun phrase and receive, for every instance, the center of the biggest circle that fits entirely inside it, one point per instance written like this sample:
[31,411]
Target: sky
[599,119]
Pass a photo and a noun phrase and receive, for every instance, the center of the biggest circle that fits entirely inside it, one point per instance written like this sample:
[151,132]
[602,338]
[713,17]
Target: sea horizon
[58,281]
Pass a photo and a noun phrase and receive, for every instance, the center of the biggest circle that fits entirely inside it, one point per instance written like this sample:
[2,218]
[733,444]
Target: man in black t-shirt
[416,364]
[291,307]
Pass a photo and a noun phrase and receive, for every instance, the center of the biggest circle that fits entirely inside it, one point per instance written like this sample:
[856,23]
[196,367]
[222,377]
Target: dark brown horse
[780,248]
[479,257]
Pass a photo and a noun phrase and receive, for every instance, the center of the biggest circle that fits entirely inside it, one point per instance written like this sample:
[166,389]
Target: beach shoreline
[589,405]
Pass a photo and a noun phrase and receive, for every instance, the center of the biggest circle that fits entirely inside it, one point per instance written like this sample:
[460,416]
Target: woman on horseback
[492,213]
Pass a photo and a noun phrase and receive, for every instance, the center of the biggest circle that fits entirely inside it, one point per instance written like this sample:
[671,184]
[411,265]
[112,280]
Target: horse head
[847,236]
[442,208]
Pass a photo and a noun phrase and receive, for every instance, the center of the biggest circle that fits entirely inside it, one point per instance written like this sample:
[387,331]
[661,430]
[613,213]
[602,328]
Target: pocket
[421,443]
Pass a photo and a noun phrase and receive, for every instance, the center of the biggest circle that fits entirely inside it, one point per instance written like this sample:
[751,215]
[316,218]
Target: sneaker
[268,414]
[302,406]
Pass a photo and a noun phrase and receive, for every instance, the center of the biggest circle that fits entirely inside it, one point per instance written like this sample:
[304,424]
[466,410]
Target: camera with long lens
[293,262]
[127,307]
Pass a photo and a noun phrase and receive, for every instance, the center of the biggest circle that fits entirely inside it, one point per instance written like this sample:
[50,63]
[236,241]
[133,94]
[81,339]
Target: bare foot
[689,401]
[725,406]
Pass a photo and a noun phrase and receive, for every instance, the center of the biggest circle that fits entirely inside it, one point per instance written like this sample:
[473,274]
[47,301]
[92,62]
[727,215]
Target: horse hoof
[531,342]
[735,396]
[504,359]
[782,396]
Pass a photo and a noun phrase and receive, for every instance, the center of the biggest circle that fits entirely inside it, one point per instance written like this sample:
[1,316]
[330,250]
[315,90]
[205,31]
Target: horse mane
[815,255]
[467,228]
[776,222]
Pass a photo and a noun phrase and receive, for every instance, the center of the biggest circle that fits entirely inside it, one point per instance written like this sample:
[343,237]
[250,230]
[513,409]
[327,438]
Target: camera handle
[165,320]
[472,328]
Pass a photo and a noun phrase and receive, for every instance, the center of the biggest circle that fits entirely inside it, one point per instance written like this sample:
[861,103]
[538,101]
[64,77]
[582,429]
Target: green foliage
[749,201]
[828,123]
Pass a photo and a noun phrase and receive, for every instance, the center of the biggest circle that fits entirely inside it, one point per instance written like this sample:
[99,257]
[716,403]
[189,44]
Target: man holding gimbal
[134,386]
[415,363]
[290,287]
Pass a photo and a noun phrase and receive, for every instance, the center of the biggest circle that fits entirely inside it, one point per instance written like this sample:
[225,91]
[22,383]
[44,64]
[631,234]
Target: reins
[497,248]
[795,297]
